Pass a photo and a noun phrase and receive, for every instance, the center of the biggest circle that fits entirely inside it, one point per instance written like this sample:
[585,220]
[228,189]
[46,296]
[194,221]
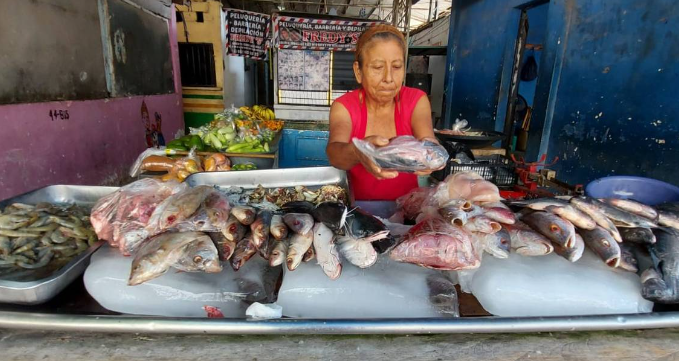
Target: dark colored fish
[661,282]
[637,235]
[603,244]
[332,214]
[298,207]
[245,249]
[628,260]
[264,249]
[225,247]
[574,253]
[260,228]
[234,230]
[245,214]
[363,226]
[668,215]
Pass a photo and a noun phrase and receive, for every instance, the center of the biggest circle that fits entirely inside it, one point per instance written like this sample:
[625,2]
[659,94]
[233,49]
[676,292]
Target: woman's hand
[369,165]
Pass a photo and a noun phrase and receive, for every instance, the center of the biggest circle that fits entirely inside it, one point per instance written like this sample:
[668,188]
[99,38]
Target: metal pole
[429,12]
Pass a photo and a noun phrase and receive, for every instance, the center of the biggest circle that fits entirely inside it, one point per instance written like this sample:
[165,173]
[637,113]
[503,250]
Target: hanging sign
[318,34]
[247,34]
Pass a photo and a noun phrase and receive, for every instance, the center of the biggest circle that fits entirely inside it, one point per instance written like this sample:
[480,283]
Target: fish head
[504,240]
[362,224]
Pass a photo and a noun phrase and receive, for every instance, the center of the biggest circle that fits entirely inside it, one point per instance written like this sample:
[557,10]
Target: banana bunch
[258,112]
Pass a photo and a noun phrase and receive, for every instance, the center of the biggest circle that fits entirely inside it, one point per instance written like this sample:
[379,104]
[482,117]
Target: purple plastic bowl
[645,190]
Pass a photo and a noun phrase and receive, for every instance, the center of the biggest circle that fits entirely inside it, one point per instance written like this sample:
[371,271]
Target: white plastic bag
[405,154]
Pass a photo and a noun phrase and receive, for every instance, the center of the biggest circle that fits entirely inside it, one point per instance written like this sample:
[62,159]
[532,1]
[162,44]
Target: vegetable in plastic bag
[405,154]
[136,166]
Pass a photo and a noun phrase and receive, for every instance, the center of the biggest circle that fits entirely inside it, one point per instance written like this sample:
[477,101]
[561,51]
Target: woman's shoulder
[349,98]
[409,94]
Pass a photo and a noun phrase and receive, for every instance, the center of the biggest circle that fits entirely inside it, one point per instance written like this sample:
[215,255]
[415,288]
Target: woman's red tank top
[364,185]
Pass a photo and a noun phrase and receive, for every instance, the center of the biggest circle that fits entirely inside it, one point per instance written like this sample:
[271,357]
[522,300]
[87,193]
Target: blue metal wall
[607,98]
[303,148]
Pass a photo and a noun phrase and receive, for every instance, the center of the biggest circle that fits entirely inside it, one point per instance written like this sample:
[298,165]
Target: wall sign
[318,34]
[247,34]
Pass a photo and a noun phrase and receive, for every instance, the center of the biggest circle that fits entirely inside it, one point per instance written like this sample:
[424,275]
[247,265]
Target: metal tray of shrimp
[35,286]
[311,177]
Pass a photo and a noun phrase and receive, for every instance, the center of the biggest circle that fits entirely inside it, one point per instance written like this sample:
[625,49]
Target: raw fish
[200,256]
[278,229]
[326,251]
[177,208]
[225,248]
[363,226]
[234,230]
[573,215]
[211,216]
[574,253]
[599,217]
[245,214]
[557,229]
[633,207]
[668,215]
[159,253]
[527,242]
[661,282]
[265,248]
[299,245]
[628,260]
[310,255]
[619,217]
[454,215]
[603,244]
[497,244]
[245,249]
[260,228]
[482,224]
[637,235]
[278,253]
[332,214]
[300,223]
[360,254]
[435,243]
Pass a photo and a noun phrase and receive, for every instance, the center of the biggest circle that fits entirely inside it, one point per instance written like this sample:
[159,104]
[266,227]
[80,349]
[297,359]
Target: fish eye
[554,228]
[197,259]
[218,214]
[606,243]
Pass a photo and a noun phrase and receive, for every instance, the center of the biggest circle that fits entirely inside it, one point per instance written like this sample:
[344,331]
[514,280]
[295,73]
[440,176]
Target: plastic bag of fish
[405,154]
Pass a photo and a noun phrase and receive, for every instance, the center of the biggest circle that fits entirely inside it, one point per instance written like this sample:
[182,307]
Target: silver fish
[540,204]
[159,253]
[499,214]
[603,244]
[199,256]
[299,245]
[619,217]
[225,247]
[278,229]
[573,215]
[557,229]
[574,253]
[631,206]
[300,223]
[668,215]
[660,283]
[527,242]
[278,253]
[326,251]
[310,255]
[245,214]
[360,254]
[599,217]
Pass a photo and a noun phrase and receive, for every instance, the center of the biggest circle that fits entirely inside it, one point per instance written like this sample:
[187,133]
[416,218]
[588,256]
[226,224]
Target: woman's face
[383,70]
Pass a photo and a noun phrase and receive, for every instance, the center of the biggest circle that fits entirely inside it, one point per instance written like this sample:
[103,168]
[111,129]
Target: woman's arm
[342,153]
[421,120]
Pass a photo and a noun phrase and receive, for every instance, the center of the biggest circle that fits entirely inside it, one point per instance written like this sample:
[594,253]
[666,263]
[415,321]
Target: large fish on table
[592,210]
[360,254]
[234,231]
[619,217]
[326,251]
[574,253]
[557,229]
[211,216]
[200,256]
[245,214]
[278,253]
[159,253]
[496,244]
[603,244]
[245,249]
[299,245]
[365,227]
[527,242]
[260,228]
[435,243]
[660,283]
[631,206]
[668,215]
[177,208]
[300,223]
[225,247]
[278,229]
[637,235]
[573,215]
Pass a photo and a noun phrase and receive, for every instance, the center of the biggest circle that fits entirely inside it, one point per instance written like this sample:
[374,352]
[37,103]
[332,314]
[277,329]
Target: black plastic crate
[496,169]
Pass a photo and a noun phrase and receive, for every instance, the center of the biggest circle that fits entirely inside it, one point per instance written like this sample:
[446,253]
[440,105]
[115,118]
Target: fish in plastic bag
[405,154]
[435,243]
[211,216]
[177,208]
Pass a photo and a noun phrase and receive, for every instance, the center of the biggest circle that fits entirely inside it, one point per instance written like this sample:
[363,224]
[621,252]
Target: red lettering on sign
[332,38]
[305,35]
[314,37]
[354,38]
[324,36]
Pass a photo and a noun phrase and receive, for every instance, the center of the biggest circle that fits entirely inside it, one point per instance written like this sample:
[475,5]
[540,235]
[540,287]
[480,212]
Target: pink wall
[100,138]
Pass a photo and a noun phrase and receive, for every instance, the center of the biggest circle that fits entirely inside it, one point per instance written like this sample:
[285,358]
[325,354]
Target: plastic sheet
[388,289]
[175,294]
[405,154]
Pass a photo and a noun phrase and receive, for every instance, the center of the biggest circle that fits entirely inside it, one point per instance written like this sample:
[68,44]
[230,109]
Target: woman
[380,110]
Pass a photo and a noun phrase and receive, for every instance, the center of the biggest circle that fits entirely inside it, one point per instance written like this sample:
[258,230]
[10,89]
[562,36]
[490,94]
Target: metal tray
[273,178]
[42,290]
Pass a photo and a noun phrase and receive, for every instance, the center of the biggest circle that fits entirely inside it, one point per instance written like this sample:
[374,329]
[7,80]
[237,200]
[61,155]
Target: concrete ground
[654,345]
